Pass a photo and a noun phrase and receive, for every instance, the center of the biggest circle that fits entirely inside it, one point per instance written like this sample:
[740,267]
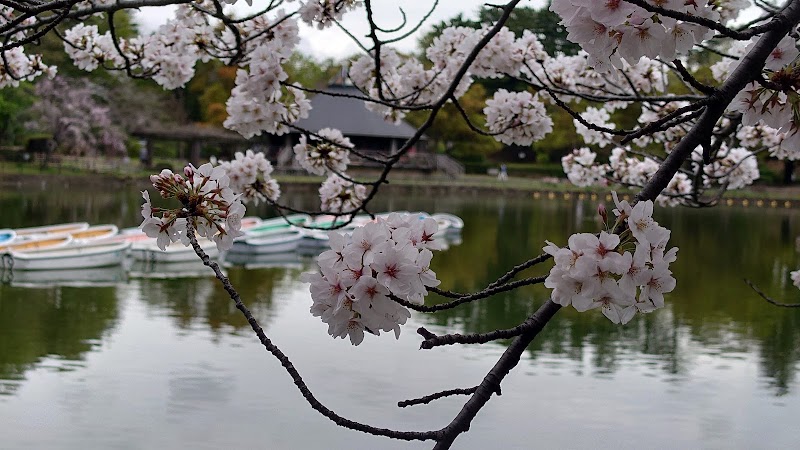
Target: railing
[449,165]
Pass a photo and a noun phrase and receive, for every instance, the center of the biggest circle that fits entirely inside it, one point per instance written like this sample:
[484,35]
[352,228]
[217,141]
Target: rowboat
[71,256]
[274,242]
[147,250]
[318,235]
[94,233]
[276,225]
[455,223]
[51,229]
[38,243]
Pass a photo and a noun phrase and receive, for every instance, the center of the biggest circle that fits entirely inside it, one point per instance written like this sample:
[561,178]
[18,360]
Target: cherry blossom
[596,271]
[207,202]
[358,277]
[249,174]
[327,151]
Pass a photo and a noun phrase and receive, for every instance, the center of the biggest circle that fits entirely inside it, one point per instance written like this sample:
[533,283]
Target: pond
[144,362]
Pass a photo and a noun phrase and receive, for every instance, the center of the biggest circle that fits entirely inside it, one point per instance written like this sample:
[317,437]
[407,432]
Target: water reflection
[203,302]
[58,324]
[711,313]
[711,310]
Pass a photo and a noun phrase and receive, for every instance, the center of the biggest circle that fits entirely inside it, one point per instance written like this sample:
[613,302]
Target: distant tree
[309,72]
[13,104]
[74,113]
[544,23]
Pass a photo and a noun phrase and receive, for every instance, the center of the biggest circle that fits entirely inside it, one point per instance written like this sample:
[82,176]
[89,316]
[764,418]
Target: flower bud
[188,171]
[601,209]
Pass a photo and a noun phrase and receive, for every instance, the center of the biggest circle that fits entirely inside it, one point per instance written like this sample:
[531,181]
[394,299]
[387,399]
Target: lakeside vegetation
[12,173]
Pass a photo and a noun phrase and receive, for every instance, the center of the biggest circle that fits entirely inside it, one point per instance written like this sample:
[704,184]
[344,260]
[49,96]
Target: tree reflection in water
[711,312]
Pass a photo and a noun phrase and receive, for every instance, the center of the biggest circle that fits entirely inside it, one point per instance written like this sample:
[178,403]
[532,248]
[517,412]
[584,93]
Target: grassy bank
[16,175]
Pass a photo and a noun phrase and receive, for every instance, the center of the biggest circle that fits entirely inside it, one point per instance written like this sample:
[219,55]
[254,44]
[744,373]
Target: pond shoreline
[469,185]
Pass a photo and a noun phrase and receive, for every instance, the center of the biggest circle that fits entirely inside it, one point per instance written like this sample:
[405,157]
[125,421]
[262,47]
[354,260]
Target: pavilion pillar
[194,154]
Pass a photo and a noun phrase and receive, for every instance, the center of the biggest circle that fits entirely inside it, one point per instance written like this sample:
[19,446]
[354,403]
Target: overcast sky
[333,42]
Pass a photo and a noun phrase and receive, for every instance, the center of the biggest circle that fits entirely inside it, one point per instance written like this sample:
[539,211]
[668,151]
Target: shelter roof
[338,108]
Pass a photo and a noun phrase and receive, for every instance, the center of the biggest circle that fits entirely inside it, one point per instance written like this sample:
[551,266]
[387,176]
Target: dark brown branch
[689,78]
[432,340]
[768,298]
[467,298]
[429,398]
[287,364]
[491,382]
[708,23]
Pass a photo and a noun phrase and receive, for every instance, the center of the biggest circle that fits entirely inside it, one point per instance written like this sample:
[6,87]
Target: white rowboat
[269,243]
[51,229]
[94,233]
[75,256]
[38,243]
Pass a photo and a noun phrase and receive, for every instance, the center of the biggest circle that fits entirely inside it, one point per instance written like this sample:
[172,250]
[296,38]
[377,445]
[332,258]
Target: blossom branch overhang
[708,23]
[290,368]
[69,13]
[750,66]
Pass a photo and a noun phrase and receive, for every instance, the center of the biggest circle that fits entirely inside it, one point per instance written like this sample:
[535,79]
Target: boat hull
[70,257]
[281,243]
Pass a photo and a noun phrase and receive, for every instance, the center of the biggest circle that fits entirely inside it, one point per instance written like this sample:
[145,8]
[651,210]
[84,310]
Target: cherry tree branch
[436,396]
[768,298]
[748,69]
[287,364]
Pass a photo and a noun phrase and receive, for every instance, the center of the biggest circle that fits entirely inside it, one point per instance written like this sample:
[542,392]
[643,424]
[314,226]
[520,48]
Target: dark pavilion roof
[350,116]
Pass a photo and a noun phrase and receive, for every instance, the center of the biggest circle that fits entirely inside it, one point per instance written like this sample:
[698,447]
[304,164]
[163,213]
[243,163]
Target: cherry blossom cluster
[207,202]
[581,169]
[249,174]
[168,55]
[734,167]
[357,278]
[258,103]
[598,117]
[616,31]
[406,82]
[327,151]
[517,117]
[620,274]
[760,136]
[667,138]
[340,195]
[17,65]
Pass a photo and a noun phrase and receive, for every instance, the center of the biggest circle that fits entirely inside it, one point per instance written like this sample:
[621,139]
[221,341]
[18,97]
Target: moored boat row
[80,246]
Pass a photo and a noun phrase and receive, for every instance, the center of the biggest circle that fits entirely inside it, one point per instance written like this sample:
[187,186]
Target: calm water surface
[139,362]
